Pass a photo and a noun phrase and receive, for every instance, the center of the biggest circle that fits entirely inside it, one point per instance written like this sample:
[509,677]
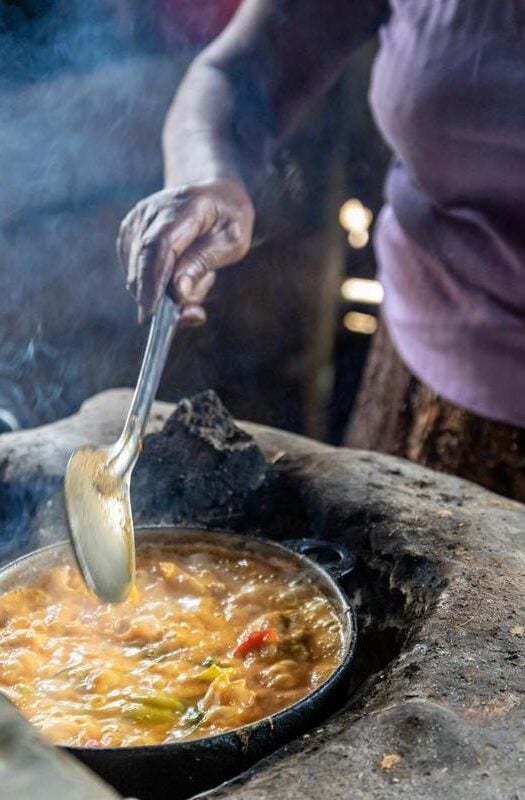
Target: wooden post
[397,414]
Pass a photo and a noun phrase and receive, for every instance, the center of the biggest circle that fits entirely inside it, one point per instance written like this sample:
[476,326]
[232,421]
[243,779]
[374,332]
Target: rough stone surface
[436,705]
[32,770]
[32,465]
[216,466]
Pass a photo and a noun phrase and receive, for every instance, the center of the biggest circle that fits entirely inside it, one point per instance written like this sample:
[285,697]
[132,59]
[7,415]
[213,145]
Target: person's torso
[448,92]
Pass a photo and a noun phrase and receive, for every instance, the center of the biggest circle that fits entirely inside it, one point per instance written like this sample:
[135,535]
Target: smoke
[84,88]
[21,497]
[43,37]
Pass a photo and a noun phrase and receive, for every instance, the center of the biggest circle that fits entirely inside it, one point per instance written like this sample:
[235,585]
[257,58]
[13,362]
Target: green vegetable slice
[212,672]
[23,688]
[193,716]
[144,713]
[159,700]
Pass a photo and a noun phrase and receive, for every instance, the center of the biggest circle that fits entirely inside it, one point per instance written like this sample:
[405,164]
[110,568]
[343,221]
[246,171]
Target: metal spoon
[97,479]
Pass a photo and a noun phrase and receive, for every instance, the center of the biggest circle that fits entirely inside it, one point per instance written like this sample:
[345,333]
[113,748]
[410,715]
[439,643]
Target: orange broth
[210,640]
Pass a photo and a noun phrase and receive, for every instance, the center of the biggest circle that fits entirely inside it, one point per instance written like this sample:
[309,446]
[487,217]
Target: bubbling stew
[212,638]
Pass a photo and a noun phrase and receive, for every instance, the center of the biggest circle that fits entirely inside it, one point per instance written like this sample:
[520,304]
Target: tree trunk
[395,413]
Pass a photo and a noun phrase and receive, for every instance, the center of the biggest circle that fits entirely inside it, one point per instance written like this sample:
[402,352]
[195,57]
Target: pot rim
[346,614]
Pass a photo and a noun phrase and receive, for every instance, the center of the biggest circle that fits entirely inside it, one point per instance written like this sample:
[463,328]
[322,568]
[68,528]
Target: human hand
[176,239]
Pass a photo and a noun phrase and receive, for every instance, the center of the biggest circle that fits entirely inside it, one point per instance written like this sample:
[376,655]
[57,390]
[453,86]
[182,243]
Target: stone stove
[436,703]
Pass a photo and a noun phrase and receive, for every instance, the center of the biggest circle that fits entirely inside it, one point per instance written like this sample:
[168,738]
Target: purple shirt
[448,92]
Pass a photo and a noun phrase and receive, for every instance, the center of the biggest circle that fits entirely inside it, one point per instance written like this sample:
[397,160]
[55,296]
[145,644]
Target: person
[446,91]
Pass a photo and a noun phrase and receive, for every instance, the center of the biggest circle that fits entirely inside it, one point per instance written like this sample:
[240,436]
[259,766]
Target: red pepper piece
[255,640]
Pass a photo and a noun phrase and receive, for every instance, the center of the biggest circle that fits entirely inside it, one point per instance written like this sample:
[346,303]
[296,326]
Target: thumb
[192,271]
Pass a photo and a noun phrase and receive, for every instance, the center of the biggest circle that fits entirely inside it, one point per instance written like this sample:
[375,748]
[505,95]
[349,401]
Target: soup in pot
[212,638]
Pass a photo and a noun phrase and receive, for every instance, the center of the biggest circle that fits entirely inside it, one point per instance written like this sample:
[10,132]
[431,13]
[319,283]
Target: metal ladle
[97,479]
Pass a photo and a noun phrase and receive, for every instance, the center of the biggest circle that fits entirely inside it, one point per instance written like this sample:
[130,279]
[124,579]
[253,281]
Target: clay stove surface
[437,705]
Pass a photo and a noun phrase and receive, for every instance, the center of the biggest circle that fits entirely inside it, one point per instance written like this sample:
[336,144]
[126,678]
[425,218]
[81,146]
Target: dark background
[83,92]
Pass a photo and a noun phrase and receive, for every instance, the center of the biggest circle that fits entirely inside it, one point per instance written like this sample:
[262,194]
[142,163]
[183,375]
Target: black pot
[183,769]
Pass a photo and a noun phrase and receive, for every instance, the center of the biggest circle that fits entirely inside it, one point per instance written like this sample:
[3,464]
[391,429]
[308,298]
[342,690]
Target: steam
[25,403]
[83,94]
[43,37]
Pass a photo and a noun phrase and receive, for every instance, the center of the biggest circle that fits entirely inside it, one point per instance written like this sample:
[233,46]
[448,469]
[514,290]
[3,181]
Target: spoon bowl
[98,509]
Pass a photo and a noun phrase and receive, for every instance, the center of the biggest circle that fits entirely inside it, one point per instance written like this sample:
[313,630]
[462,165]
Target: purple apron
[448,93]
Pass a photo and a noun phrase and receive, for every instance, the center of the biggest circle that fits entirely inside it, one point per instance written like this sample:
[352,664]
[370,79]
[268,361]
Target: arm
[238,99]
[247,89]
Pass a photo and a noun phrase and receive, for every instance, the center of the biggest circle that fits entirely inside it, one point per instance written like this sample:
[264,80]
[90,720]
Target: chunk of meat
[285,674]
[180,581]
[140,630]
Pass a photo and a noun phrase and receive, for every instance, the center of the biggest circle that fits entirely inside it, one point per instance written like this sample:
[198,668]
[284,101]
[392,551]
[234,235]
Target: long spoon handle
[162,330]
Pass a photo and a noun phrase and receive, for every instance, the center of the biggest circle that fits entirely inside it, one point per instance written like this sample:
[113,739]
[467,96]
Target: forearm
[247,89]
[199,142]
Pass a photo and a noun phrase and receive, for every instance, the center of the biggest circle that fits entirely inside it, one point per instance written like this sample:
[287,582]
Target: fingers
[154,267]
[200,290]
[151,237]
[193,270]
[155,258]
[193,316]
[207,254]
[175,240]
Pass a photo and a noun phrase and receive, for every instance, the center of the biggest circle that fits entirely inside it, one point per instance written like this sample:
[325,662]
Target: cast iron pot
[183,769]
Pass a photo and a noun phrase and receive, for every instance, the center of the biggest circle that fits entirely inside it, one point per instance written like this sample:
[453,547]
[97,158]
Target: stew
[211,639]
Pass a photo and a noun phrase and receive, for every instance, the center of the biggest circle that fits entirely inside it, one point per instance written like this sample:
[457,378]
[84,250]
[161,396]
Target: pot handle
[334,557]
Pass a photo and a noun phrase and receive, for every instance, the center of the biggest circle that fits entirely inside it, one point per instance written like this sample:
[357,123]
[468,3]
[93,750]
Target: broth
[212,638]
